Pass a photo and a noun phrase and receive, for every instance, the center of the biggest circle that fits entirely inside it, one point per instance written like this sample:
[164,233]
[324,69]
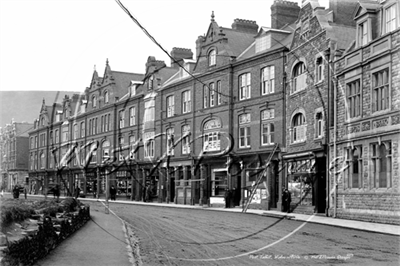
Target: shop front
[306,182]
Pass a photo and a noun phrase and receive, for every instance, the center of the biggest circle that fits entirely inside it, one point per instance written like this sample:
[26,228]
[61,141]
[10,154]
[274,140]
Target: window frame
[299,77]
[132,116]
[244,133]
[353,100]
[170,100]
[186,102]
[186,139]
[298,128]
[375,99]
[268,80]
[244,86]
[212,57]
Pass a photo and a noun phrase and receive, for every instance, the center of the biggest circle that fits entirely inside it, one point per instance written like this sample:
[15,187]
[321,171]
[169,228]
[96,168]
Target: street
[171,236]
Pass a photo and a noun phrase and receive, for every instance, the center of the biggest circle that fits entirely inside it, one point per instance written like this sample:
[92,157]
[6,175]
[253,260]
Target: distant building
[14,154]
[366,133]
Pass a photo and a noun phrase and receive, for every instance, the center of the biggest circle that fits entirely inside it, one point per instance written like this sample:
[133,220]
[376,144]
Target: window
[186,139]
[244,131]
[382,164]
[75,131]
[354,167]
[148,144]
[212,58]
[94,101]
[390,18]
[42,140]
[121,142]
[245,86]
[42,121]
[186,102]
[319,125]
[150,84]
[205,96]
[106,98]
[58,116]
[51,137]
[94,124]
[299,128]
[132,116]
[170,141]
[362,33]
[380,94]
[32,161]
[121,119]
[82,129]
[32,143]
[149,111]
[319,69]
[299,81]
[42,161]
[212,94]
[211,141]
[170,106]
[132,90]
[305,27]
[65,135]
[268,80]
[36,141]
[132,140]
[268,114]
[263,43]
[57,136]
[219,93]
[353,95]
[267,133]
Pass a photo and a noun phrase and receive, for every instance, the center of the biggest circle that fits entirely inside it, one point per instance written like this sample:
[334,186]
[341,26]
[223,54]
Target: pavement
[106,232]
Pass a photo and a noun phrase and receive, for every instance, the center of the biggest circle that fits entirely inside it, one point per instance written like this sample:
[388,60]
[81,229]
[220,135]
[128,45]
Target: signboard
[217,200]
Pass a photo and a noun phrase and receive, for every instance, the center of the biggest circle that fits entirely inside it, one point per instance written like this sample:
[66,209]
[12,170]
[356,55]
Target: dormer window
[106,98]
[212,58]
[151,82]
[263,43]
[390,18]
[362,33]
[94,101]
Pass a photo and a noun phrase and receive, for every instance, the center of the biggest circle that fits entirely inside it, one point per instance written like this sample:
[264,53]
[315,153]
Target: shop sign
[301,166]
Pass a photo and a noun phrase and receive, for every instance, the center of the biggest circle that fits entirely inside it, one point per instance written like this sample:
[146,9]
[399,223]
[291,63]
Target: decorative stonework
[395,119]
[366,126]
[381,122]
[353,129]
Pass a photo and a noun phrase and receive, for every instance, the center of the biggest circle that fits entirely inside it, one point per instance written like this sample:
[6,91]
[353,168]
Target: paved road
[170,236]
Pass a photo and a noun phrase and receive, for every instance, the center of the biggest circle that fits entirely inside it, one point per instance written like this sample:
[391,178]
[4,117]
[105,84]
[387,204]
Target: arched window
[299,128]
[106,97]
[94,101]
[299,77]
[212,58]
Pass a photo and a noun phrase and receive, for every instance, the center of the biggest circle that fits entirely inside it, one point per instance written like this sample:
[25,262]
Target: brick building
[14,154]
[365,136]
[319,32]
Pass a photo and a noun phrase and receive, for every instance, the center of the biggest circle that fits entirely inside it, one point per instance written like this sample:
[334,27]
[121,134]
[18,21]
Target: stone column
[133,183]
[143,181]
[280,185]
[269,187]
[203,173]
[243,193]
[160,184]
[139,183]
[168,199]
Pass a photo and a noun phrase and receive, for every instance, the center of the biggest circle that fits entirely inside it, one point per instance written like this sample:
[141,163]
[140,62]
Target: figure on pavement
[286,199]
[77,192]
[16,192]
[113,192]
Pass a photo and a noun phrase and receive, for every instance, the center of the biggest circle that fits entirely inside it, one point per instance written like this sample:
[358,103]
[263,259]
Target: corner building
[365,137]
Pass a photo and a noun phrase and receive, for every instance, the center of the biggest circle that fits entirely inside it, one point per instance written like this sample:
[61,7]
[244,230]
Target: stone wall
[38,243]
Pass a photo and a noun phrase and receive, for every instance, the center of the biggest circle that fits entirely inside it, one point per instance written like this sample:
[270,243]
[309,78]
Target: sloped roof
[238,41]
[22,129]
[123,80]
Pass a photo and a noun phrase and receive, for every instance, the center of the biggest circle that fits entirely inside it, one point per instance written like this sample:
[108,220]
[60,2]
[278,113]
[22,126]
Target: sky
[54,45]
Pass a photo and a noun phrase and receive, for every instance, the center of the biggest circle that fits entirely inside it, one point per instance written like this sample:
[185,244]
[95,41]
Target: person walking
[16,192]
[77,192]
[286,199]
[113,192]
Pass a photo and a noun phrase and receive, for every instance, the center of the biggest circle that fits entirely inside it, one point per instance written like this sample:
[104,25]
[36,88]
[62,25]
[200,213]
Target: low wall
[37,244]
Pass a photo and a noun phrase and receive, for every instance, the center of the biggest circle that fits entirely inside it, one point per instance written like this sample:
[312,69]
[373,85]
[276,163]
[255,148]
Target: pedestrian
[25,191]
[234,196]
[148,194]
[16,192]
[228,195]
[57,192]
[144,192]
[113,192]
[77,192]
[286,199]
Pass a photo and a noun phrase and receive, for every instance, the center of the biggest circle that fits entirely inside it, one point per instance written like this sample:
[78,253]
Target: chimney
[243,25]
[283,13]
[180,53]
[153,64]
[199,44]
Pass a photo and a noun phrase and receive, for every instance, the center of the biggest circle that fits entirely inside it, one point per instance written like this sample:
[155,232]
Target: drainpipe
[327,127]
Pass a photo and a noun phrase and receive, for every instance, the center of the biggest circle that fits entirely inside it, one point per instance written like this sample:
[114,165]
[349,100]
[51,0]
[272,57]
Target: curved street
[172,236]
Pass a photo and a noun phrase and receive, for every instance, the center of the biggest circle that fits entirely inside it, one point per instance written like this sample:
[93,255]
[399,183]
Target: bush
[14,211]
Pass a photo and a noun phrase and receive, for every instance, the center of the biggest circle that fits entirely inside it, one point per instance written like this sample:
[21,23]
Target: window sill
[298,144]
[298,92]
[244,148]
[269,145]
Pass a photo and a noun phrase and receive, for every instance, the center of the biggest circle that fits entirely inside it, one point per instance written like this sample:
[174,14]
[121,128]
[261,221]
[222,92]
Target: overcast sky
[55,44]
